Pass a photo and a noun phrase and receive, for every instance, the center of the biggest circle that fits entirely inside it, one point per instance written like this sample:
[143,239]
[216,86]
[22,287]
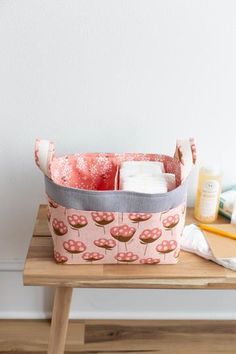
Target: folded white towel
[133,168]
[194,241]
[145,177]
[144,184]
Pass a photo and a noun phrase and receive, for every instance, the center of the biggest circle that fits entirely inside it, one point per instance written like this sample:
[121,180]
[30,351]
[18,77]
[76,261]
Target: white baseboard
[11,264]
[122,316]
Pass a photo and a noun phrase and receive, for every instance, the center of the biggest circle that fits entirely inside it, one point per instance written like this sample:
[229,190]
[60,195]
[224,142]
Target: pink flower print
[105,243]
[163,213]
[126,257]
[52,204]
[170,222]
[74,247]
[193,148]
[149,261]
[123,233]
[59,258]
[139,217]
[59,227]
[149,236]
[179,154]
[166,246]
[92,256]
[102,219]
[36,154]
[77,222]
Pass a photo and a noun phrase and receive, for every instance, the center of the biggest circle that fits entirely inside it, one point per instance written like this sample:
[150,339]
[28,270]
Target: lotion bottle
[208,194]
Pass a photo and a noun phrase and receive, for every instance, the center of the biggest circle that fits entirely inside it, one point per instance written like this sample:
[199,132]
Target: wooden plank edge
[194,283]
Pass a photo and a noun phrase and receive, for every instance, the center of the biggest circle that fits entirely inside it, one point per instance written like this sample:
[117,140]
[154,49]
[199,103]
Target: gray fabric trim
[116,201]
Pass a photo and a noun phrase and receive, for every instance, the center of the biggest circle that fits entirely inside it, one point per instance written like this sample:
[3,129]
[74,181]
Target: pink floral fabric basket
[92,222]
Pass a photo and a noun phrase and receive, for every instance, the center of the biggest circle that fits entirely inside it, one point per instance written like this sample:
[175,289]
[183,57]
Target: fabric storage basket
[91,222]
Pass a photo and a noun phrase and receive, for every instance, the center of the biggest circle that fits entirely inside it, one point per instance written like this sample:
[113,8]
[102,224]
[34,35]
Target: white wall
[110,76]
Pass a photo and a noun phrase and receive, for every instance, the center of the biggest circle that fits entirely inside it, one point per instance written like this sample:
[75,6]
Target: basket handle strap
[185,153]
[44,153]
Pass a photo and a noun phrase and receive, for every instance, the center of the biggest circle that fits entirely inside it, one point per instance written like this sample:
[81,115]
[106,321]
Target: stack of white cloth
[145,177]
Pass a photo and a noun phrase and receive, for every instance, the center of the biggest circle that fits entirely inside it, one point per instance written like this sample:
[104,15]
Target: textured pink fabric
[44,153]
[90,237]
[99,171]
[186,154]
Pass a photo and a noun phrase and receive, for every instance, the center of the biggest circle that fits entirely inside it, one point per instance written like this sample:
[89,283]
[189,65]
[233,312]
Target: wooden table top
[192,272]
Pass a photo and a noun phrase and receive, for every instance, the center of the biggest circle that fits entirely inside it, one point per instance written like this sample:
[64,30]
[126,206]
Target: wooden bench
[192,272]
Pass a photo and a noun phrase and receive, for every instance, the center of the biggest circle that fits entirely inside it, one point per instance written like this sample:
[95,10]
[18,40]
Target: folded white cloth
[194,241]
[145,177]
[144,184]
[133,168]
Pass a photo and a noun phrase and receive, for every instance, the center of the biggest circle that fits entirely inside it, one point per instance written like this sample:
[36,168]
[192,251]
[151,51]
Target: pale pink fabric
[44,153]
[186,154]
[90,237]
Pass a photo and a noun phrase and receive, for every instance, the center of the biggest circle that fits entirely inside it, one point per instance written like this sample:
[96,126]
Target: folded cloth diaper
[132,168]
[145,177]
[144,184]
[194,241]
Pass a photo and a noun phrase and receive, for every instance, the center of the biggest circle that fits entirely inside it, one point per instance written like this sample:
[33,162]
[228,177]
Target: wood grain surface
[60,319]
[123,337]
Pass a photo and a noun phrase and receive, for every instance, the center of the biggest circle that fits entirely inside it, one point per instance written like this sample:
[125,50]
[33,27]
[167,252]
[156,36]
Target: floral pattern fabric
[90,237]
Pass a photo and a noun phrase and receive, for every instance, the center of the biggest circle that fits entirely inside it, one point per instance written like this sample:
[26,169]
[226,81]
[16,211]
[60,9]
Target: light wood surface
[32,335]
[123,337]
[60,318]
[191,271]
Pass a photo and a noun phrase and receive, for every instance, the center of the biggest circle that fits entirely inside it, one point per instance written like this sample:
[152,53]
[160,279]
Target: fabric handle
[44,154]
[186,154]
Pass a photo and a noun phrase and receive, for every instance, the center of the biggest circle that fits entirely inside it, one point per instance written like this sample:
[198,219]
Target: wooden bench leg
[60,319]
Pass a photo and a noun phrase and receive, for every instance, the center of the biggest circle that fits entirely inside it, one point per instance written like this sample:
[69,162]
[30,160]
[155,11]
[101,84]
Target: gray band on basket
[115,201]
